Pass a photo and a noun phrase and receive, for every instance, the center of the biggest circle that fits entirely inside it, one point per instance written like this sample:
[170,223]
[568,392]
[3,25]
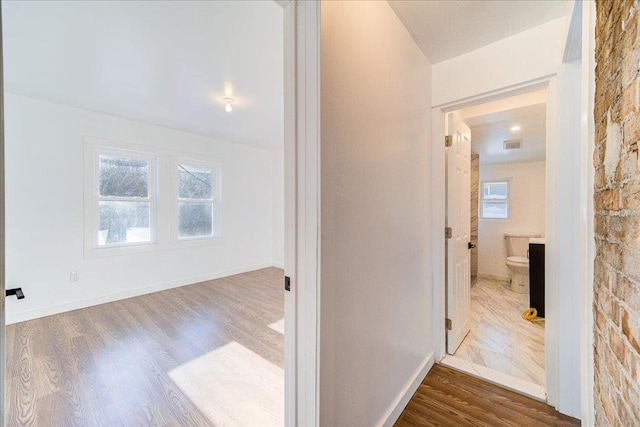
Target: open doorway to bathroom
[496,202]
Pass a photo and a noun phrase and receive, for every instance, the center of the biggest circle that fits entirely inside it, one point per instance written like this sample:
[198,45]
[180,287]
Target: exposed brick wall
[617,221]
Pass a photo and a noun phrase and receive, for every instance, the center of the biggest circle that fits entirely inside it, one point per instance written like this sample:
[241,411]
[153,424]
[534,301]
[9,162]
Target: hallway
[450,398]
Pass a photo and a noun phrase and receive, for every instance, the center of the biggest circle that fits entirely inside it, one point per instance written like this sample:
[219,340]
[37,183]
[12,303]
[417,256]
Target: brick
[631,330]
[629,100]
[608,199]
[629,167]
[598,152]
[618,347]
[600,180]
[616,200]
[630,69]
[630,131]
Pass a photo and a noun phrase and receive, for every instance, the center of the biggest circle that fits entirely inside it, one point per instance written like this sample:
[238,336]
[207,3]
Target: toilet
[518,261]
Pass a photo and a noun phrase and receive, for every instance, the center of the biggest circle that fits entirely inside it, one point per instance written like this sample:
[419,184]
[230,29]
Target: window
[494,199]
[123,198]
[196,194]
[141,199]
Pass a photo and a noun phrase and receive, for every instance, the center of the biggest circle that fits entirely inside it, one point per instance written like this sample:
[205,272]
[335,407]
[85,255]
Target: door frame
[301,34]
[302,209]
[2,239]
[438,198]
[453,120]
[587,239]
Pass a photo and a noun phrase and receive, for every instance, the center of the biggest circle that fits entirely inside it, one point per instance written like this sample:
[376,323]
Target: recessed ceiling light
[515,128]
[228,108]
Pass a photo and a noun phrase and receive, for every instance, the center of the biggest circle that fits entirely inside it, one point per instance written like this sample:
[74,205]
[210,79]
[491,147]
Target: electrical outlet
[74,276]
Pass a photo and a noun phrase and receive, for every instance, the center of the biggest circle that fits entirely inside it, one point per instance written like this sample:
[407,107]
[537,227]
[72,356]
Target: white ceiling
[490,130]
[166,63]
[449,28]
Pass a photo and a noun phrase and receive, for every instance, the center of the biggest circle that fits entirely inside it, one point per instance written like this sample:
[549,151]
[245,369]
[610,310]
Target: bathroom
[508,203]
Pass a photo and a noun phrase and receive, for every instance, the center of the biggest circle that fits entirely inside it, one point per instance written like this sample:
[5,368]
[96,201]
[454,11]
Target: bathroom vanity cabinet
[536,277]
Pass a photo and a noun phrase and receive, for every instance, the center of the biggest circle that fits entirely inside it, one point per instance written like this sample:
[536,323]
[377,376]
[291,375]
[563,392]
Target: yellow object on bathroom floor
[531,314]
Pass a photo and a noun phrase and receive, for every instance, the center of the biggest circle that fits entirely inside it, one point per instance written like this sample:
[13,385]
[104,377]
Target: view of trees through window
[195,201]
[126,190]
[123,201]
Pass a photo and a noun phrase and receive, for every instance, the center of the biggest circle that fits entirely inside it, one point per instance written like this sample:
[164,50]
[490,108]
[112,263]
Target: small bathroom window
[494,199]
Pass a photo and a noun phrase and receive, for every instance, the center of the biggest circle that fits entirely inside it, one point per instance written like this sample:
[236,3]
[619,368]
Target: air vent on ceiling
[512,144]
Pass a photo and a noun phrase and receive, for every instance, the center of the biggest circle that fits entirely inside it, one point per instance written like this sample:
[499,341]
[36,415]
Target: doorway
[544,90]
[291,248]
[496,208]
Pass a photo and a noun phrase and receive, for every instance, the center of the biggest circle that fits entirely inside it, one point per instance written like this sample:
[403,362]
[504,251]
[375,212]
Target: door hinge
[448,140]
[448,232]
[447,324]
[287,283]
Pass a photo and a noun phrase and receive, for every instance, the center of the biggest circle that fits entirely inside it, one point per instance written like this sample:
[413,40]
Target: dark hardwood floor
[451,398]
[205,354]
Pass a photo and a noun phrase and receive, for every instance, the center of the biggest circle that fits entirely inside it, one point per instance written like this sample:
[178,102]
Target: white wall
[44,214]
[277,228]
[528,207]
[376,291]
[523,57]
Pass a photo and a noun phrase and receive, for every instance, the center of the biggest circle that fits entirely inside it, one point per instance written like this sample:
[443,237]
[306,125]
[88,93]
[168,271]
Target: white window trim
[164,187]
[481,199]
[175,200]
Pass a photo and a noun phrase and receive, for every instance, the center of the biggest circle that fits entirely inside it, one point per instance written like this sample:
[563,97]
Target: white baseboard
[102,299]
[393,413]
[277,265]
[494,277]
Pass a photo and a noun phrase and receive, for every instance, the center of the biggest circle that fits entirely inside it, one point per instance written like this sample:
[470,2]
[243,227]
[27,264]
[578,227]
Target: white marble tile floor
[499,338]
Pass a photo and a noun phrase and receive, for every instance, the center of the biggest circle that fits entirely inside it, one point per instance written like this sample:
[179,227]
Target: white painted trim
[277,265]
[551,329]
[102,299]
[93,149]
[438,215]
[438,198]
[501,379]
[587,242]
[302,211]
[395,410]
[308,210]
[495,95]
[290,216]
[2,239]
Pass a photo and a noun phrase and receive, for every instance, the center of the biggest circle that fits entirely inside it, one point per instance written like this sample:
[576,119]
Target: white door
[459,220]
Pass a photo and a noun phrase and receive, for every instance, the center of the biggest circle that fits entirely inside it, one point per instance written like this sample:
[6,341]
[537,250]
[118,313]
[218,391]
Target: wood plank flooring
[205,354]
[450,398]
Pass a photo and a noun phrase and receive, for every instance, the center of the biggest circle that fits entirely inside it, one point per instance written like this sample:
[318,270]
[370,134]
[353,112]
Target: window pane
[123,222]
[195,219]
[195,182]
[495,210]
[123,177]
[495,190]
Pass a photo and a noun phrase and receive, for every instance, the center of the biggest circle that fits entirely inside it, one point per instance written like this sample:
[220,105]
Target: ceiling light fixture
[228,108]
[515,128]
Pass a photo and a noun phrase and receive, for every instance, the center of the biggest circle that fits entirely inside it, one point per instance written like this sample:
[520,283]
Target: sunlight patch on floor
[278,326]
[234,386]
